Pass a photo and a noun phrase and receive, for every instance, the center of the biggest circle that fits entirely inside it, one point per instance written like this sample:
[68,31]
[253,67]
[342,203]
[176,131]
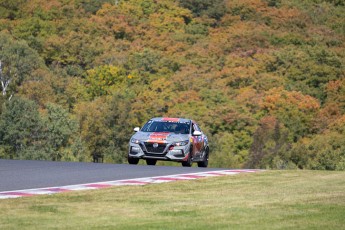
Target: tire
[133,161]
[151,162]
[189,162]
[204,163]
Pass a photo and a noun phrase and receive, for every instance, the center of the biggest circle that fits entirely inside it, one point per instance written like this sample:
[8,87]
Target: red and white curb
[107,184]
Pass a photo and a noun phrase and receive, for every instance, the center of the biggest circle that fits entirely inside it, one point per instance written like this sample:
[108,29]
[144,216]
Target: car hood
[160,137]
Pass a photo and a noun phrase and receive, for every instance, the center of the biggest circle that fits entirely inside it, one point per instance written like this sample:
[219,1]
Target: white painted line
[132,182]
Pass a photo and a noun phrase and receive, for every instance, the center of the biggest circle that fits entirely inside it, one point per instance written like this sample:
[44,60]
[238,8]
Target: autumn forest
[264,79]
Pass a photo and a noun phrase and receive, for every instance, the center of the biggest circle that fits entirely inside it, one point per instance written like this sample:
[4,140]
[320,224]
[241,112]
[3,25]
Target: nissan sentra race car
[169,139]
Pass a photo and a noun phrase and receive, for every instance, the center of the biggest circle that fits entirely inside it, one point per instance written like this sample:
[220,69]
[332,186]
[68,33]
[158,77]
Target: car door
[197,141]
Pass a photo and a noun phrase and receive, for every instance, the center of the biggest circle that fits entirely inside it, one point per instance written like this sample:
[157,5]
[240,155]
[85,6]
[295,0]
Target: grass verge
[265,200]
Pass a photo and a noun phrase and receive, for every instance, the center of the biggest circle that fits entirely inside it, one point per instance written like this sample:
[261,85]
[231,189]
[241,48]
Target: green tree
[10,9]
[308,69]
[270,146]
[213,9]
[95,125]
[91,6]
[20,126]
[323,151]
[18,62]
[59,131]
[229,149]
[294,110]
[145,61]
[121,119]
[104,79]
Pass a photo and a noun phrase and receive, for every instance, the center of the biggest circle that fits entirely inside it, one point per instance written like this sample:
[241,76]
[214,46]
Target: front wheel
[204,163]
[133,161]
[189,162]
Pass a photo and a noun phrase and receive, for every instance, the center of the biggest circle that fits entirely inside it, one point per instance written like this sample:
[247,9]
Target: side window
[195,127]
[198,127]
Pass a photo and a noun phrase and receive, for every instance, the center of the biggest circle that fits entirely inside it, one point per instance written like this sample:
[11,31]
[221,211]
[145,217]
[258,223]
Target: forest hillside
[265,79]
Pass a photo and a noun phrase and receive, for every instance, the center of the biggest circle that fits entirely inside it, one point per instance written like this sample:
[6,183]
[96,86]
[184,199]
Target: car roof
[171,119]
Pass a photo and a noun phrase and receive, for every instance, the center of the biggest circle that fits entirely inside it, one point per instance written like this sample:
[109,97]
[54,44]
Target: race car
[169,139]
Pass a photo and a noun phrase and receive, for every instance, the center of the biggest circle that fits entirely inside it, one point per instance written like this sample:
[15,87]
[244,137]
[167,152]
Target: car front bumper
[165,151]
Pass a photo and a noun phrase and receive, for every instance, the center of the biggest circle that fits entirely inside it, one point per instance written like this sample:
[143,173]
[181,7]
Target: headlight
[181,143]
[135,141]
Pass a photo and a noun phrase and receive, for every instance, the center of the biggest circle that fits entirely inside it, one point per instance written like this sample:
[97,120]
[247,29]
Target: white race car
[169,139]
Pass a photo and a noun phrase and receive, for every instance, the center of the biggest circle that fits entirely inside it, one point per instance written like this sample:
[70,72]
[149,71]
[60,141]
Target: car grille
[155,155]
[150,149]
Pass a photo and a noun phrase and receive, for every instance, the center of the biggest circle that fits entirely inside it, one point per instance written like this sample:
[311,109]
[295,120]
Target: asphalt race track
[22,174]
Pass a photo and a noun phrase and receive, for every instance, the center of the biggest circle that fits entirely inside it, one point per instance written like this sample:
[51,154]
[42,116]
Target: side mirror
[197,133]
[136,129]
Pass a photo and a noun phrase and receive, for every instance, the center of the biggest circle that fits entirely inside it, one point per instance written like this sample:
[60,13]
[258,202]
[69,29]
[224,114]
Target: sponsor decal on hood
[160,137]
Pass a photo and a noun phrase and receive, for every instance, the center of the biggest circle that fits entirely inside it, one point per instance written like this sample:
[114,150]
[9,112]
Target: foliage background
[263,78]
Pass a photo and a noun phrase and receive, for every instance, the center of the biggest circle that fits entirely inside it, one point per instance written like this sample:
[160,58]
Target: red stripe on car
[170,119]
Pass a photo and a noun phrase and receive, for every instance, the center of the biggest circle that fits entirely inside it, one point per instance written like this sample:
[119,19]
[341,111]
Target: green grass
[265,200]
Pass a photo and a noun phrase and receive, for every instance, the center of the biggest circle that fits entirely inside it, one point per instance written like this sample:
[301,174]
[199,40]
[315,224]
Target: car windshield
[161,126]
